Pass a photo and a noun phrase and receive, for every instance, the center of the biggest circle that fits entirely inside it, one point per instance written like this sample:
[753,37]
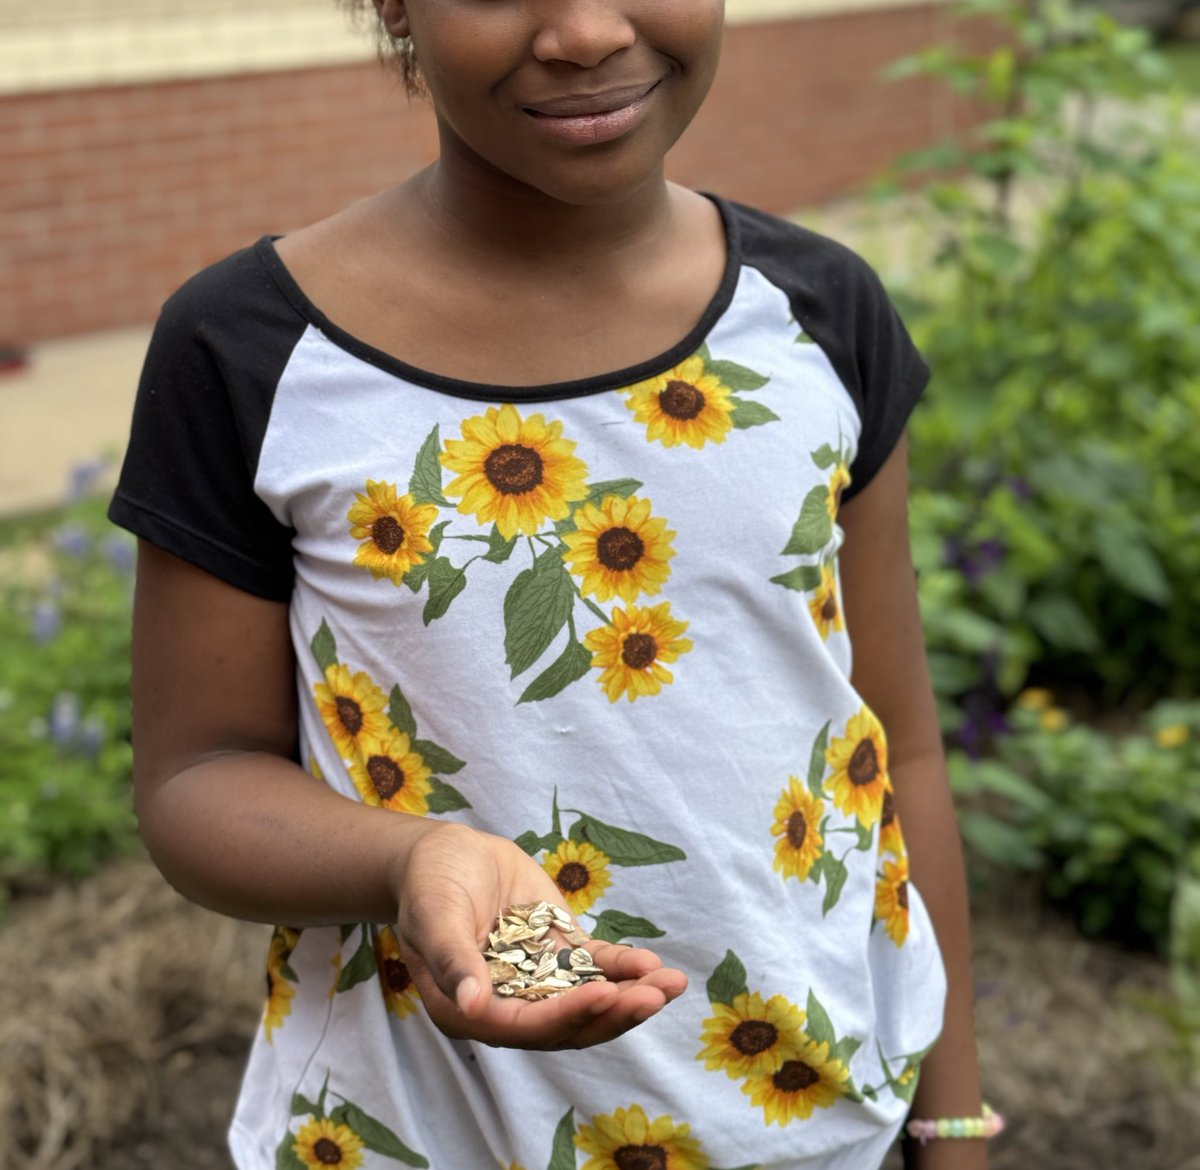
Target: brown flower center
[797,829]
[328,1152]
[386,775]
[513,469]
[751,1037]
[640,1158]
[829,610]
[888,813]
[387,534]
[864,763]
[573,876]
[396,976]
[349,713]
[619,548]
[681,400]
[638,651]
[902,894]
[795,1076]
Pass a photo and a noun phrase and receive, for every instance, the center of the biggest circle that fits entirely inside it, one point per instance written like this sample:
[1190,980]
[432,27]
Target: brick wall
[110,197]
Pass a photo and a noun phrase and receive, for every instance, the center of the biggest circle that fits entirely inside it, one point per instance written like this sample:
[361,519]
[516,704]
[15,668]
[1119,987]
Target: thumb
[443,939]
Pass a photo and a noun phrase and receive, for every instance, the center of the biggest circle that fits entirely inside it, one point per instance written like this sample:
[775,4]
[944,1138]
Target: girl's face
[578,99]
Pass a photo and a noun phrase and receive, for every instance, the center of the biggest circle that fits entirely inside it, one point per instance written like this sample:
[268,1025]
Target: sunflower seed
[523,959]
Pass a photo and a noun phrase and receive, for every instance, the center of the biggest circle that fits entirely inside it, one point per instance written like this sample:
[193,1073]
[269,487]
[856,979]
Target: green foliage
[65,595]
[1066,349]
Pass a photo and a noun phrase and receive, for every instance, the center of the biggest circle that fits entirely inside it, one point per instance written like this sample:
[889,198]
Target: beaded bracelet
[987,1125]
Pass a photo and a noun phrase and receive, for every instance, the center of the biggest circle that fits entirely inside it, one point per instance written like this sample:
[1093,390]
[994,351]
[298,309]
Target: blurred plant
[65,593]
[1066,346]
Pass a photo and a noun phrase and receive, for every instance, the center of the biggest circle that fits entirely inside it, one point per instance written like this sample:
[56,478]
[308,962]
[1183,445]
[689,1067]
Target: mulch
[122,1041]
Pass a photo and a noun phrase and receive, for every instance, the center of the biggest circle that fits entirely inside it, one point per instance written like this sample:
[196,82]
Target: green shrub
[65,595]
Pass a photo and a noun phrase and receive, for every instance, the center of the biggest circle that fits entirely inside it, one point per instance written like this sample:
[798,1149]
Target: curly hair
[395,52]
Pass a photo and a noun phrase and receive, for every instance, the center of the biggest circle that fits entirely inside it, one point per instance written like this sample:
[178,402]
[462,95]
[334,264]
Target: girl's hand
[452,884]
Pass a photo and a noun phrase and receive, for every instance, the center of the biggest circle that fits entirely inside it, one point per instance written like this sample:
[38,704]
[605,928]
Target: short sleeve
[202,409]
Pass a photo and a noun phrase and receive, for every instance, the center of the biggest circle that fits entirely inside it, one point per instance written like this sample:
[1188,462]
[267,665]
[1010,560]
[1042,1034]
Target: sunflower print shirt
[602,619]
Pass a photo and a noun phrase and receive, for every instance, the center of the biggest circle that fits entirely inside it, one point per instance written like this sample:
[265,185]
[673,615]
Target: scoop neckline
[483,391]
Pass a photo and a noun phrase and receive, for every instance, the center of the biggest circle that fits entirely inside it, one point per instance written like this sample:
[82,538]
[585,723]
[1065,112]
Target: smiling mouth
[589,105]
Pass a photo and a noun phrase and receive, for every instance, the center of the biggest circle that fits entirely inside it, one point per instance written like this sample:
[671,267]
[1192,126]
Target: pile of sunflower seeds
[521,954]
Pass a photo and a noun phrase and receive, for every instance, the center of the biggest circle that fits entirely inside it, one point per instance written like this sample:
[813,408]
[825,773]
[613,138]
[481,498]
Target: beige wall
[76,43]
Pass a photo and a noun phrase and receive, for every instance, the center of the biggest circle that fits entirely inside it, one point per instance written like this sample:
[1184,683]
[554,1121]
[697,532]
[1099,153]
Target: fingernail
[465,993]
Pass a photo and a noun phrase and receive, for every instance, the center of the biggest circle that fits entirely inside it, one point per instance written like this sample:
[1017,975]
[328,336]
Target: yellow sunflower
[351,706]
[628,1139]
[687,404]
[323,1143]
[389,774]
[838,483]
[515,472]
[750,1036]
[399,990]
[580,870]
[798,827]
[631,652]
[891,900]
[859,762]
[807,1079]
[394,530]
[825,606]
[891,838]
[619,548]
[280,991]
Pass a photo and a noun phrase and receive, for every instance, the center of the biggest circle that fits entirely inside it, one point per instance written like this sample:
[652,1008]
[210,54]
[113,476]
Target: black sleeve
[202,409]
[839,301]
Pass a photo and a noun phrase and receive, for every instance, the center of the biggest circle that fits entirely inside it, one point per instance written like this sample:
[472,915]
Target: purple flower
[84,477]
[73,540]
[120,554]
[63,724]
[1021,488]
[46,622]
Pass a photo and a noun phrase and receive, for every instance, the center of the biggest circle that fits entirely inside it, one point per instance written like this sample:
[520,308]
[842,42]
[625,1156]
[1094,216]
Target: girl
[502,537]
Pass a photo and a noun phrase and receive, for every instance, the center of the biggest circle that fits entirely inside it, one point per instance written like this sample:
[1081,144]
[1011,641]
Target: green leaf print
[825,457]
[750,414]
[845,1049]
[286,1158]
[324,646]
[445,797]
[426,482]
[818,1024]
[835,873]
[623,846]
[599,492]
[530,842]
[803,578]
[570,666]
[375,1135]
[866,836]
[499,549]
[728,981]
[361,966]
[813,529]
[536,608]
[737,378]
[440,760]
[400,713]
[752,1166]
[816,762]
[562,1152]
[346,930]
[614,925]
[301,1106]
[446,582]
[417,575]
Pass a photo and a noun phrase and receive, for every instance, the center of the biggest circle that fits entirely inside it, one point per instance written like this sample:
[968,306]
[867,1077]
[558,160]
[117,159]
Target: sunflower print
[619,549]
[394,530]
[630,653]
[686,405]
[280,991]
[399,990]
[825,605]
[809,1078]
[891,838]
[748,1036]
[351,707]
[859,762]
[628,1140]
[581,872]
[838,483]
[389,774]
[891,900]
[798,826]
[516,473]
[323,1143]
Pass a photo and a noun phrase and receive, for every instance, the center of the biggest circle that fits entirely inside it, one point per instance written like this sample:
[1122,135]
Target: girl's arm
[234,824]
[891,673]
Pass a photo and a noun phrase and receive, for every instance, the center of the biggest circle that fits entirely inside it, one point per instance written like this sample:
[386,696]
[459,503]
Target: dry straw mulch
[125,1015]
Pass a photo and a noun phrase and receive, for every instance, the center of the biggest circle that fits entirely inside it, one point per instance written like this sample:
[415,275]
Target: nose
[582,32]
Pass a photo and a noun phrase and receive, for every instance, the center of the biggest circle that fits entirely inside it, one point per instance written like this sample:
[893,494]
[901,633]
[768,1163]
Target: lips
[584,105]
